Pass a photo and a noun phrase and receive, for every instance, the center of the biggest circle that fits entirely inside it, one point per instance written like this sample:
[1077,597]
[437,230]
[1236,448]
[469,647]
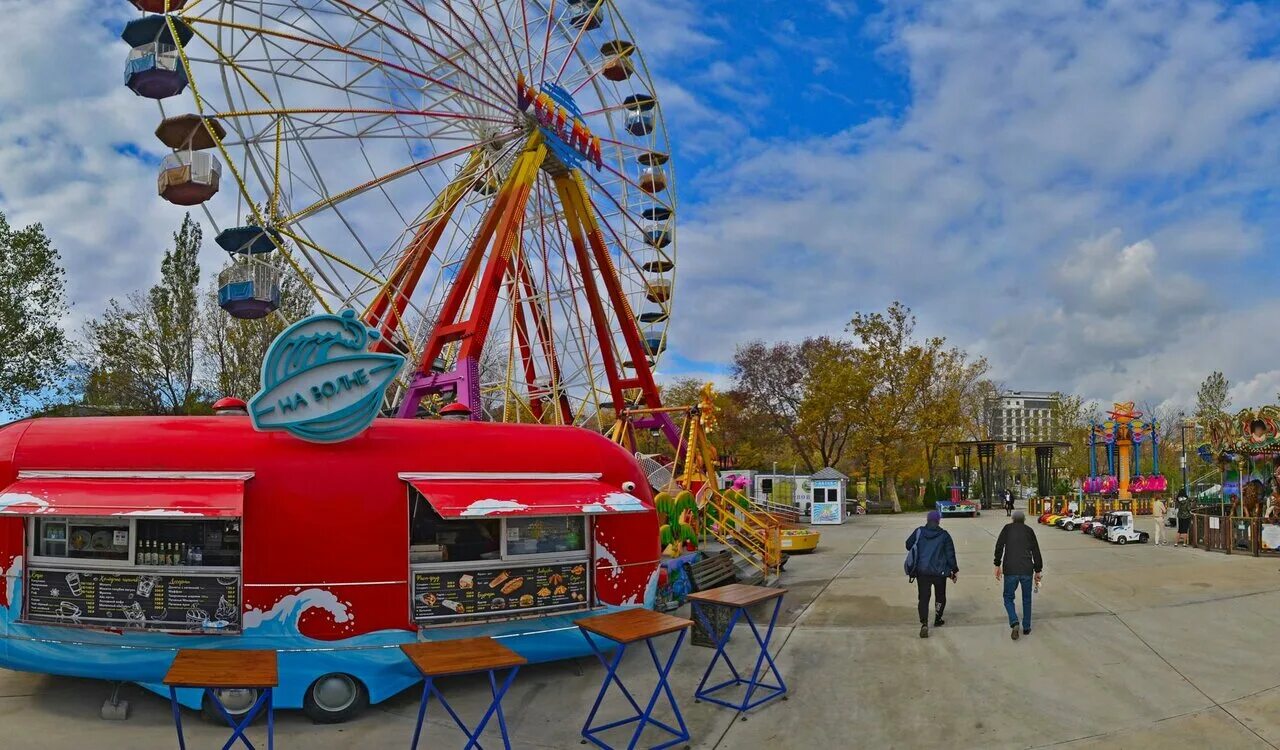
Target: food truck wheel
[335,698]
[237,701]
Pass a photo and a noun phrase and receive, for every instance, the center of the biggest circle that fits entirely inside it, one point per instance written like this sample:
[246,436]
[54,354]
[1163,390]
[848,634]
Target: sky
[1083,192]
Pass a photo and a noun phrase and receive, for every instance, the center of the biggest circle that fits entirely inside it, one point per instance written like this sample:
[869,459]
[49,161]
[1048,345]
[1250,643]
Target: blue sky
[1081,191]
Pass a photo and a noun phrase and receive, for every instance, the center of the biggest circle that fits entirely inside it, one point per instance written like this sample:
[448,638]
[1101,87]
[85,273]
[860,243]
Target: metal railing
[752,536]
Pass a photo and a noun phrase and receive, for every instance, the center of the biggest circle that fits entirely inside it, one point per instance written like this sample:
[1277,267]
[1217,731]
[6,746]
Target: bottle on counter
[184,554]
[137,555]
[199,555]
[149,555]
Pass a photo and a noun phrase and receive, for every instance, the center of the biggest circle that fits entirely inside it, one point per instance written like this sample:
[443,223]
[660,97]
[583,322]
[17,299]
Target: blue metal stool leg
[643,717]
[663,686]
[238,727]
[494,707]
[722,641]
[764,656]
[610,676]
[755,682]
[422,712]
[271,718]
[497,702]
[177,716]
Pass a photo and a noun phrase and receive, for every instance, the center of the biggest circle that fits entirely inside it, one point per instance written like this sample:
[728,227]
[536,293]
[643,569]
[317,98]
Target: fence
[1240,535]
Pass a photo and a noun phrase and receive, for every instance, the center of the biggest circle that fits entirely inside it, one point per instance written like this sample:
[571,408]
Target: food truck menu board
[462,593]
[134,600]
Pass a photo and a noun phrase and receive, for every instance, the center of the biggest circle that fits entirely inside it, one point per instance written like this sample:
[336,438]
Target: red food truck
[123,539]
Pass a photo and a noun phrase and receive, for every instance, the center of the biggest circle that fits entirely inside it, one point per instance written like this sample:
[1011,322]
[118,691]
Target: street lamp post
[1185,489]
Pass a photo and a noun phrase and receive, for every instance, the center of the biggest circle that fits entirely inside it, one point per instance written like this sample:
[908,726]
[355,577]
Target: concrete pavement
[1133,647]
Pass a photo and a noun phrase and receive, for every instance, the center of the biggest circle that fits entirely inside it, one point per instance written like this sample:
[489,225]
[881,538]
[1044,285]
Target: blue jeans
[1011,584]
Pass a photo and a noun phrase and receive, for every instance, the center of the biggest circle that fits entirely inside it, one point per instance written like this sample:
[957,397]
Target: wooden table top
[631,625]
[223,668]
[461,656]
[737,595]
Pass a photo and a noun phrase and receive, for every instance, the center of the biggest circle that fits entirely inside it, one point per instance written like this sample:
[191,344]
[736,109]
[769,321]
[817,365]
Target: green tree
[1212,400]
[811,393]
[232,349]
[1071,419]
[140,356]
[33,357]
[900,369]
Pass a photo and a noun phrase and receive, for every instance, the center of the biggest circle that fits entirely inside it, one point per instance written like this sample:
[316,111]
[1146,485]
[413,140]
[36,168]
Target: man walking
[1018,560]
[1183,504]
[1158,512]
[935,563]
[1008,503]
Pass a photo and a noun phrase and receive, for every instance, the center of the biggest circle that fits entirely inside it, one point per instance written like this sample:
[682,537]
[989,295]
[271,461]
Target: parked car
[1120,529]
[1071,524]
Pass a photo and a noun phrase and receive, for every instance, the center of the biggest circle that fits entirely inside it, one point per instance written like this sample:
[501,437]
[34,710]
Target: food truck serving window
[137,552]
[497,547]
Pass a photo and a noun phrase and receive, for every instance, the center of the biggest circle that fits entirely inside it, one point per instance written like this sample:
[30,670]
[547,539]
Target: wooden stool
[624,628]
[463,656]
[738,597]
[210,669]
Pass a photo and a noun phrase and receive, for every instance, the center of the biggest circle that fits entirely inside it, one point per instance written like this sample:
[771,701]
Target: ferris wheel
[486,182]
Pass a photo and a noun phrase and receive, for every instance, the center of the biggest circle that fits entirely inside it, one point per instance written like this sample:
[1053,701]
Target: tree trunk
[892,485]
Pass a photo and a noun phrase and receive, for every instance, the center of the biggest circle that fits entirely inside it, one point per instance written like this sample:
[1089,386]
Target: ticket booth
[827,489]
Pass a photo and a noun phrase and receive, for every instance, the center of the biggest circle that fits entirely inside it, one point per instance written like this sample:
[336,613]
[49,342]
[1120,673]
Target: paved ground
[1134,647]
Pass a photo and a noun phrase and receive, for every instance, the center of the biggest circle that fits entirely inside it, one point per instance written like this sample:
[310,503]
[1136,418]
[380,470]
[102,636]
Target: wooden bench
[879,506]
[711,571]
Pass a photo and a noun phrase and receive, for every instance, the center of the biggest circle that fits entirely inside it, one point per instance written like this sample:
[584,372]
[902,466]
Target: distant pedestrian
[1018,561]
[1158,513]
[1008,503]
[1184,517]
[935,562]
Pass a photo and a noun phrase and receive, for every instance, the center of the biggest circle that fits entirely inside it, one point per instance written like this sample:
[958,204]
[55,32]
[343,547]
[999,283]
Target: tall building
[1021,415]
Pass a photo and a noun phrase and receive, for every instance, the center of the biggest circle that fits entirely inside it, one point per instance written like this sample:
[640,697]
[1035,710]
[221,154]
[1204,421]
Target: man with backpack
[1018,560]
[931,560]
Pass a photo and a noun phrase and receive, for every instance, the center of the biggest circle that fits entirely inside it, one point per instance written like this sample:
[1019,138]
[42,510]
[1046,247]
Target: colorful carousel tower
[1121,439]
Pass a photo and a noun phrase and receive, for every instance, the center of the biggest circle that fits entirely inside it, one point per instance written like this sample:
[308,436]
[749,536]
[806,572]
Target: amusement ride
[486,184]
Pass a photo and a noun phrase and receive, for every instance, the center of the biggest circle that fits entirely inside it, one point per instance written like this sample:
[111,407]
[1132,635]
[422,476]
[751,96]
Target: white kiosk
[827,488]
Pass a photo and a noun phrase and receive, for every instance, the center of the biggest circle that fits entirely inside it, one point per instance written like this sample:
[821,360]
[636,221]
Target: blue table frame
[237,727]
[662,625]
[473,737]
[739,597]
[436,659]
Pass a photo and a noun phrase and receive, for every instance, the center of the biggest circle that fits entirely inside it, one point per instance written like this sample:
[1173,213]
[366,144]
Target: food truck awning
[120,496]
[455,496]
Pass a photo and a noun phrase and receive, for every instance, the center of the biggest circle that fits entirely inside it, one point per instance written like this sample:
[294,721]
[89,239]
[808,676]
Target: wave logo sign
[320,383]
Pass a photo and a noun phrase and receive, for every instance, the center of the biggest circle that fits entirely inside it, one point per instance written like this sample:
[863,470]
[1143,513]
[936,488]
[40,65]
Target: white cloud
[1068,194]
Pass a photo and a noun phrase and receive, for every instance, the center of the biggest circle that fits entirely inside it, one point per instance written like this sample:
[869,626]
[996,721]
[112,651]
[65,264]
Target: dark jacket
[1018,551]
[936,555]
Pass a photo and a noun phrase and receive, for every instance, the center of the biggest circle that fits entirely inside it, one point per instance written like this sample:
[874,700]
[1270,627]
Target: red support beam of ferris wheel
[582,225]
[500,227]
[542,326]
[388,306]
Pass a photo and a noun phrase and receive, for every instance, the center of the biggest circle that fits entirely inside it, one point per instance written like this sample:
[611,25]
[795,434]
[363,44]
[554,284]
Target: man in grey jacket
[1018,560]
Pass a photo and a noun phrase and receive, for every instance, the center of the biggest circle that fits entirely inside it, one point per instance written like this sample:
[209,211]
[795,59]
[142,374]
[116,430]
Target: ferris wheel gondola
[487,184]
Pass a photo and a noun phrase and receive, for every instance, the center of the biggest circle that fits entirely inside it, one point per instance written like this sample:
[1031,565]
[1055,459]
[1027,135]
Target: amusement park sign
[318,381]
[558,117]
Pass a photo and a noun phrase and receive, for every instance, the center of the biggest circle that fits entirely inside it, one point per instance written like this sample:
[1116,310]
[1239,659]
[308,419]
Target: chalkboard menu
[507,590]
[143,600]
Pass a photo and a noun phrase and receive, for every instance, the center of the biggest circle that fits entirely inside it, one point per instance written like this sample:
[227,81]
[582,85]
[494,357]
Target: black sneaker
[1013,632]
[939,622]
[1026,632]
[924,631]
